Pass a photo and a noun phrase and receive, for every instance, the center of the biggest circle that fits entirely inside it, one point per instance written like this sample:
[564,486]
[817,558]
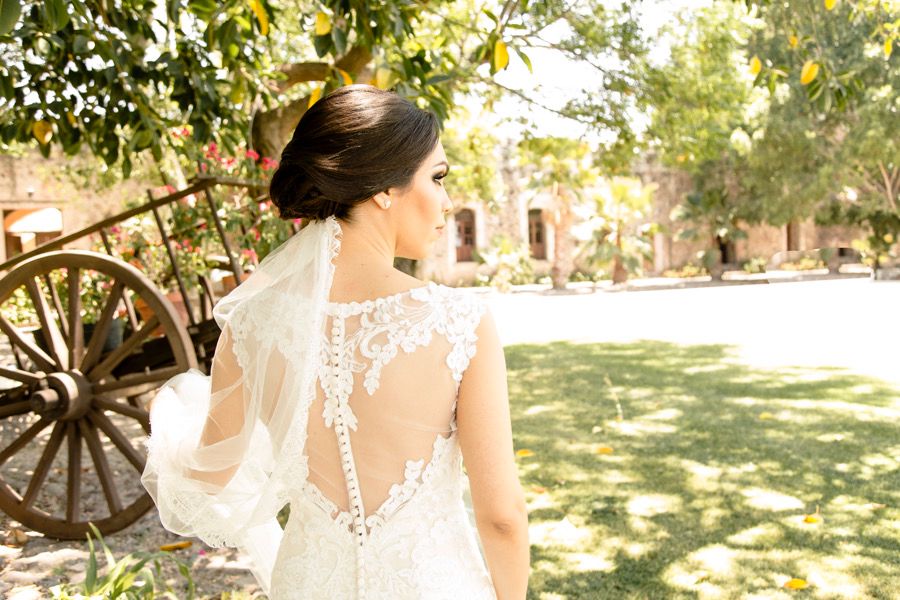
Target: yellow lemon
[604,450]
[830,4]
[314,97]
[501,55]
[888,238]
[888,47]
[793,41]
[809,72]
[812,519]
[42,132]
[323,24]
[260,12]
[345,76]
[755,65]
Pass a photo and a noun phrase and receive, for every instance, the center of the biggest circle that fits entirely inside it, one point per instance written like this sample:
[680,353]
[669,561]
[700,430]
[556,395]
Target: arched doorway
[465,235]
[27,228]
[536,235]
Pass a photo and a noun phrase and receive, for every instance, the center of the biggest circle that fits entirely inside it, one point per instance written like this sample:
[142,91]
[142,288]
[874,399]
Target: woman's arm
[485,436]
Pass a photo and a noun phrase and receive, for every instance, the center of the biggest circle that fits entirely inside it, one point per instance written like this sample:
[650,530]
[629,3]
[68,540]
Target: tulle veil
[226,450]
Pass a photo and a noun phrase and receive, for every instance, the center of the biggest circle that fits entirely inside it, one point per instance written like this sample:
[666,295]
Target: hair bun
[350,145]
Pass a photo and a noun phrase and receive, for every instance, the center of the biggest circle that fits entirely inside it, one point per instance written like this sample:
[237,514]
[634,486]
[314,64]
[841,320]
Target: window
[465,235]
[536,235]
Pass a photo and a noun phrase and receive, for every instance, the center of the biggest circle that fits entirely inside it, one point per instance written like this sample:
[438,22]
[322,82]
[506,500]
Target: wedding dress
[344,411]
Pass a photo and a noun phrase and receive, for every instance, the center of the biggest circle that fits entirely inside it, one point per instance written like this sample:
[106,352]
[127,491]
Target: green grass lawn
[667,471]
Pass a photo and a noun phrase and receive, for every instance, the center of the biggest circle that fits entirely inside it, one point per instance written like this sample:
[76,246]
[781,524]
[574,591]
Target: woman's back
[384,487]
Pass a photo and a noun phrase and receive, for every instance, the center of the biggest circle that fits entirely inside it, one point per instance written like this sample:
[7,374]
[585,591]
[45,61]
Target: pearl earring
[387,204]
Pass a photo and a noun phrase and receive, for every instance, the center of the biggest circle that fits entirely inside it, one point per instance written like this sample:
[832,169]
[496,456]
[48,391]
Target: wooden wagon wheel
[72,434]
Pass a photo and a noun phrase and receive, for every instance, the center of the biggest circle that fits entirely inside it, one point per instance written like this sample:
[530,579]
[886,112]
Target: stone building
[526,216]
[38,205]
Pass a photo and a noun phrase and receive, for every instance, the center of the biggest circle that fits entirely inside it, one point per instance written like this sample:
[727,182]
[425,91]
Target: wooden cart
[73,418]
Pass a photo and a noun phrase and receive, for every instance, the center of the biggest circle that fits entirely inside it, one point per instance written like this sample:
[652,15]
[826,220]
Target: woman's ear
[383,199]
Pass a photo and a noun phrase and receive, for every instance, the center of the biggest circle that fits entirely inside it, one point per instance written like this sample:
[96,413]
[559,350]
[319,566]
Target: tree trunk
[563,245]
[620,273]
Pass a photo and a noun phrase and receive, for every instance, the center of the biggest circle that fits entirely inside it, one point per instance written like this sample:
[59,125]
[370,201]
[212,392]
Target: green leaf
[491,16]
[9,14]
[340,39]
[56,14]
[322,44]
[525,60]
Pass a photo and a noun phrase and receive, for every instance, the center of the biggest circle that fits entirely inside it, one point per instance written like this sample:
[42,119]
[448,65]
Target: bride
[350,391]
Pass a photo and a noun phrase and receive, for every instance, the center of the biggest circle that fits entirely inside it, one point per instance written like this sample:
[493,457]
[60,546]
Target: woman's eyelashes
[437,178]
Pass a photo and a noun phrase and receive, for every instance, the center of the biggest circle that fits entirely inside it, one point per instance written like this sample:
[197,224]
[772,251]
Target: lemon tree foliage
[832,47]
[837,158]
[115,77]
[699,122]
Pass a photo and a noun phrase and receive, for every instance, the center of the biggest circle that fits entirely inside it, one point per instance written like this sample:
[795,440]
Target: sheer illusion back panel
[396,394]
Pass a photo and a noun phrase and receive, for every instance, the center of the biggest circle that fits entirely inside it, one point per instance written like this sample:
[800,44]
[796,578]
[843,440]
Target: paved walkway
[850,323]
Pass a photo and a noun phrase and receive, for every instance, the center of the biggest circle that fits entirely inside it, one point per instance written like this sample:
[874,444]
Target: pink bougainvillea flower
[252,154]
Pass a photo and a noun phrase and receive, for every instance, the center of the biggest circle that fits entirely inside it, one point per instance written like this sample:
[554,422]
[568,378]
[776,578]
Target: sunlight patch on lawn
[559,533]
[581,561]
[536,409]
[771,500]
[703,477]
[664,414]
[640,428]
[767,533]
[707,368]
[651,505]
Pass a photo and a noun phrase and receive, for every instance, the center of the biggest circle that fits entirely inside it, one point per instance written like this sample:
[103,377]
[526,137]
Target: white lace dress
[381,513]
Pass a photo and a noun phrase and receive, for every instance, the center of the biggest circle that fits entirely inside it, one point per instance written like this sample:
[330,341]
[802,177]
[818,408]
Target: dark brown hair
[350,145]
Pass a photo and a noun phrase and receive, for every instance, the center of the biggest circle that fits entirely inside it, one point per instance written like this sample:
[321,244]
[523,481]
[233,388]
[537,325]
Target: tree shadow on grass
[668,471]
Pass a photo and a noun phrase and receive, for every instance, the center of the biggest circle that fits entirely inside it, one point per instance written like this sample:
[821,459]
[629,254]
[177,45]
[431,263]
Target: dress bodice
[383,494]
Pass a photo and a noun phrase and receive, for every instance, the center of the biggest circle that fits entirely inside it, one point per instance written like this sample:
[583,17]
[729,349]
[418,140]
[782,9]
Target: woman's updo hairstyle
[350,145]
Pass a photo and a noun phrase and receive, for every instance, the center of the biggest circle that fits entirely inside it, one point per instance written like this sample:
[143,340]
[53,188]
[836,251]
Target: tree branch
[352,62]
[531,101]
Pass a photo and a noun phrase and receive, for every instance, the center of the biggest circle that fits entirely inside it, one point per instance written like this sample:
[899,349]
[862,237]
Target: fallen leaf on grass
[176,546]
[538,489]
[765,416]
[524,453]
[813,518]
[603,450]
[796,584]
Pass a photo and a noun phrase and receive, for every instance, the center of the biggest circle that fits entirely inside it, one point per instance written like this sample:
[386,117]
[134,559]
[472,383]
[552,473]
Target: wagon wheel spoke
[49,329]
[132,385]
[23,439]
[104,473]
[76,337]
[25,377]
[98,337]
[15,408]
[121,353]
[57,304]
[73,477]
[40,358]
[139,415]
[119,440]
[43,466]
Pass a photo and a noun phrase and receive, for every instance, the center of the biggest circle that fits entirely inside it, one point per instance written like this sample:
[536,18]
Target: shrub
[136,576]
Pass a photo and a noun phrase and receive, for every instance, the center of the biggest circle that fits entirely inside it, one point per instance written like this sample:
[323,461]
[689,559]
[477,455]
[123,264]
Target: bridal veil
[225,448]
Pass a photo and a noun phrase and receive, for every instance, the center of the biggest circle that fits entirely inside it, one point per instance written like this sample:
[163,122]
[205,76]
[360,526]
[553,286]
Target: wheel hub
[65,395]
